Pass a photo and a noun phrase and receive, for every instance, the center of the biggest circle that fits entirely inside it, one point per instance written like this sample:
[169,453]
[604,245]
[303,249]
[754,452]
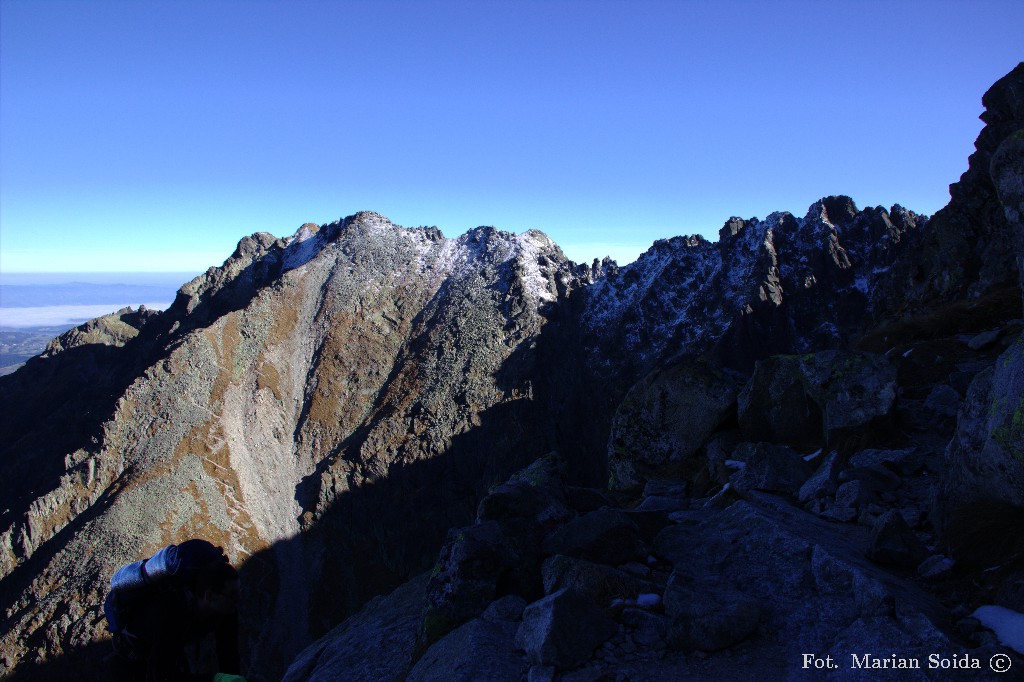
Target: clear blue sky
[153,135]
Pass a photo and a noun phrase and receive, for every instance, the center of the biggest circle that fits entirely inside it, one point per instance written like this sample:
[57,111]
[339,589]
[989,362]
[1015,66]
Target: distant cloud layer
[61,315]
[69,299]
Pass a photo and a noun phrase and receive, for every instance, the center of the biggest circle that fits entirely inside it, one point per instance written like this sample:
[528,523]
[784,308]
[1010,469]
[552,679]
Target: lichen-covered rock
[478,564]
[535,492]
[665,419]
[985,459]
[776,406]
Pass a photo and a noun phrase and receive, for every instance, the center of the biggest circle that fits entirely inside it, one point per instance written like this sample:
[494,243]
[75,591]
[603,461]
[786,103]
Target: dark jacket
[162,634]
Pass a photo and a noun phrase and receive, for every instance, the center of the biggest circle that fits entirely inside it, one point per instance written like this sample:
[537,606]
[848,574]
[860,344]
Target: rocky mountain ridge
[253,421]
[326,406]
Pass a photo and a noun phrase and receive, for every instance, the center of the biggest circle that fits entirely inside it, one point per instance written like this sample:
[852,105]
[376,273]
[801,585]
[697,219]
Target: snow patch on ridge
[302,247]
[530,247]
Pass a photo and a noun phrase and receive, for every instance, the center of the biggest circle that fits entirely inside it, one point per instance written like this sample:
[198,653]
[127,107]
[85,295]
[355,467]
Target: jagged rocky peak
[964,252]
[686,292]
[261,259]
[837,210]
[1003,116]
[733,226]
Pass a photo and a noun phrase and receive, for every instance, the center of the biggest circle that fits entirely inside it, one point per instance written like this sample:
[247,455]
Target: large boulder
[535,493]
[563,629]
[665,419]
[892,542]
[818,399]
[981,502]
[499,554]
[824,481]
[985,459]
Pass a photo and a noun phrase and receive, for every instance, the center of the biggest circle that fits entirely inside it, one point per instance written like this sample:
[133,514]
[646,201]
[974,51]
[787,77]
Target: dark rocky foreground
[740,566]
[804,438]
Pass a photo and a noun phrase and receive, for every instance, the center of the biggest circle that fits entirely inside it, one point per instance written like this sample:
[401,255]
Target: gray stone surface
[853,494]
[563,629]
[374,645]
[665,419]
[983,340]
[904,462]
[893,542]
[474,565]
[935,567]
[806,575]
[605,536]
[776,468]
[481,649]
[943,401]
[707,617]
[985,459]
[648,629]
[1007,172]
[813,400]
[600,583]
[823,482]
